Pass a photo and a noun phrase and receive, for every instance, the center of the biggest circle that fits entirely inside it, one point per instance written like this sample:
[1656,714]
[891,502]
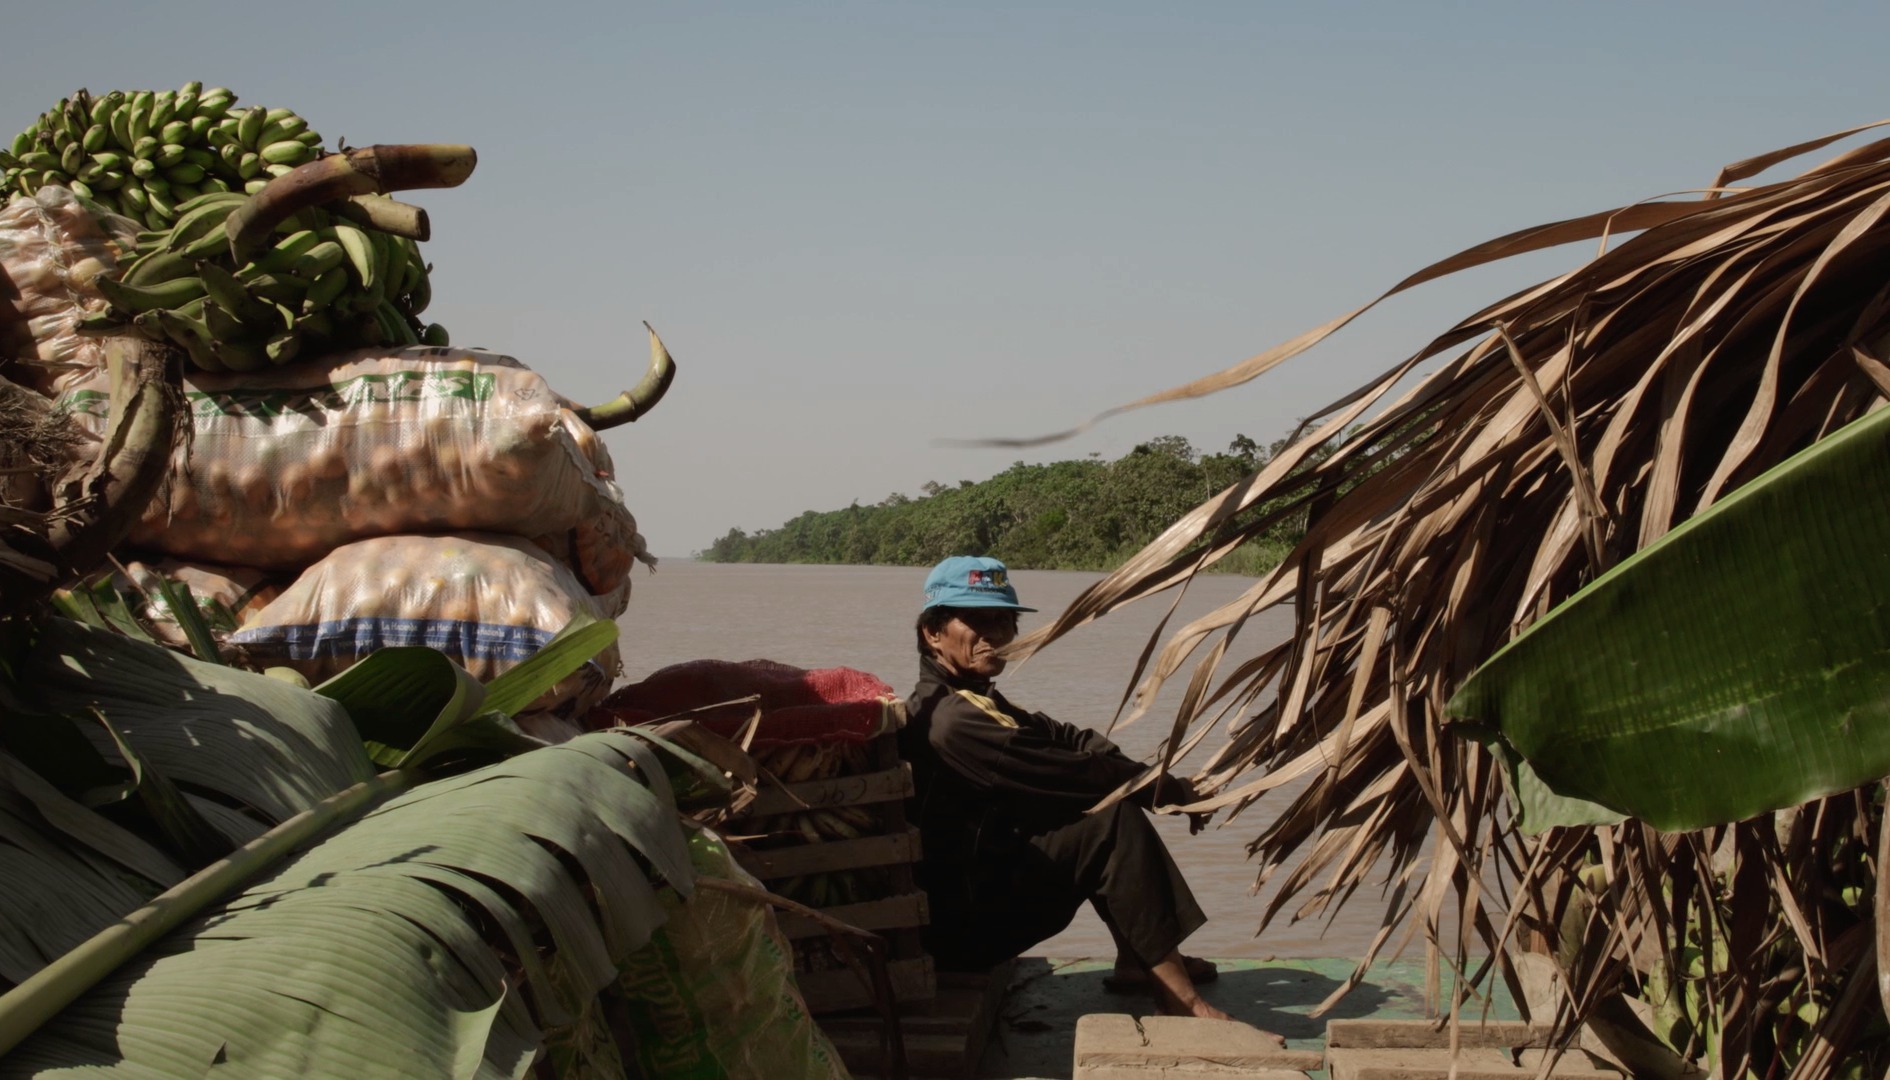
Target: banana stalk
[112,495]
[385,214]
[635,403]
[364,171]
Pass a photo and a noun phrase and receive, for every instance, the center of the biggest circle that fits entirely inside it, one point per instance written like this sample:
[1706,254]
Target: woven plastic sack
[224,595]
[285,465]
[488,601]
[797,706]
[712,997]
[52,247]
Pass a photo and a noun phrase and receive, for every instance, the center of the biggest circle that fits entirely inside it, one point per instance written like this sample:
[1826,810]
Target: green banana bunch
[181,161]
[325,284]
[144,154]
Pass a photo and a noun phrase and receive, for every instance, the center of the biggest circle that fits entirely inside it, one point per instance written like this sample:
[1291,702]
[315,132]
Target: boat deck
[1035,1034]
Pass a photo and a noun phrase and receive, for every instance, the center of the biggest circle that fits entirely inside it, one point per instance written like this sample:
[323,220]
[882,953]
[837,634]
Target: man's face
[969,643]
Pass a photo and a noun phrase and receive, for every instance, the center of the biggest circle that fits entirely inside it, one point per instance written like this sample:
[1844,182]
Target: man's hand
[1172,790]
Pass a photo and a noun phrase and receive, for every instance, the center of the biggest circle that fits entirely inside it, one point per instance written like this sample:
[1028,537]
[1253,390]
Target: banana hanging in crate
[778,760]
[831,825]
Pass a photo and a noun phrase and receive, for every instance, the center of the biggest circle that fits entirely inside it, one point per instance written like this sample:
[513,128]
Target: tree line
[1065,515]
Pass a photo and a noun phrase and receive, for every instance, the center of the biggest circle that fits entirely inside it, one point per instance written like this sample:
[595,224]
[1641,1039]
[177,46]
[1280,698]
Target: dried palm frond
[1588,415]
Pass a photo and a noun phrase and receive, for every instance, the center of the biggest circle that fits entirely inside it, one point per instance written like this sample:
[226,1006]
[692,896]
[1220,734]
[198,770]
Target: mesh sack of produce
[488,601]
[713,995]
[797,706]
[53,247]
[286,464]
[224,595]
[601,551]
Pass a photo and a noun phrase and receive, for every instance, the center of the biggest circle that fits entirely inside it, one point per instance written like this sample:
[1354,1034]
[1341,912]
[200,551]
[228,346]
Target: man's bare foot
[1130,977]
[1175,994]
[1198,1007]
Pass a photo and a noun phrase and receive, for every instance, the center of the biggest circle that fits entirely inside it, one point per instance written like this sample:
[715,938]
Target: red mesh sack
[797,706]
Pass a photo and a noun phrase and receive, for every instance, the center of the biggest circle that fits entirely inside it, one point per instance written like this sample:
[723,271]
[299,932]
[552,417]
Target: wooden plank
[1183,1072]
[944,1037]
[831,991]
[890,913]
[831,855]
[962,1002]
[1367,1034]
[1119,1040]
[860,789]
[997,983]
[1405,1063]
[1478,1063]
[1573,1063]
[927,1056]
[1138,1072]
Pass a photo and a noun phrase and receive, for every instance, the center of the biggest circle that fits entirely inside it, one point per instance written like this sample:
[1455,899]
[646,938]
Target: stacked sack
[53,250]
[326,508]
[418,496]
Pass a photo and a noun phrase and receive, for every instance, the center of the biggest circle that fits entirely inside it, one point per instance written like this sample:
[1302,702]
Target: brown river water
[861,617]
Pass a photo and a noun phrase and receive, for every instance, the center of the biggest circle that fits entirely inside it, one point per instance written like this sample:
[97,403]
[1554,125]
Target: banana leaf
[186,830]
[582,638]
[100,604]
[401,698]
[1538,807]
[410,704]
[441,935]
[65,871]
[260,744]
[1740,664]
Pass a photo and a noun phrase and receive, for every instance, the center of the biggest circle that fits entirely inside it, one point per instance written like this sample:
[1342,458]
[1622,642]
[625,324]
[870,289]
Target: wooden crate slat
[860,789]
[944,1037]
[831,855]
[830,991]
[889,913]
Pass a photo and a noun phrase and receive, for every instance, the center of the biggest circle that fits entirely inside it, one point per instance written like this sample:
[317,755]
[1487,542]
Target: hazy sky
[862,227]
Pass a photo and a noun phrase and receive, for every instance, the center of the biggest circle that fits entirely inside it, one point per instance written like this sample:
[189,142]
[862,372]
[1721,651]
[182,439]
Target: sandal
[1136,980]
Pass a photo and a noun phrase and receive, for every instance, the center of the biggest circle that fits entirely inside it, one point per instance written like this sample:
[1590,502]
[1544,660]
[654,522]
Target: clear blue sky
[862,227]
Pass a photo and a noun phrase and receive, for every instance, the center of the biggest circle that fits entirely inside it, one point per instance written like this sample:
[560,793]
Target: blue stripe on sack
[359,636]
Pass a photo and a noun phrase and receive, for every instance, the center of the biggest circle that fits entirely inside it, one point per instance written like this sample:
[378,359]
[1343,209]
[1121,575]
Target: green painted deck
[1036,1028]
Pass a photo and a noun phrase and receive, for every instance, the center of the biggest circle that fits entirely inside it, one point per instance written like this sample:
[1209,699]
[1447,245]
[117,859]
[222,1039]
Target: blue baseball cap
[971,581]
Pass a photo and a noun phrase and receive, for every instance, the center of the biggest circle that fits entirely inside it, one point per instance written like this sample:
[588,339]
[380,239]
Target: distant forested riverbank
[1067,515]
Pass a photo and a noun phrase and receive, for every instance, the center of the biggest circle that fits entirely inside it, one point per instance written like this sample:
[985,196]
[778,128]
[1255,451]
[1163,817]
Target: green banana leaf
[65,871]
[401,698]
[456,930]
[185,829]
[412,703]
[100,604]
[259,743]
[447,933]
[1740,664]
[1538,807]
[251,749]
[582,638]
[182,606]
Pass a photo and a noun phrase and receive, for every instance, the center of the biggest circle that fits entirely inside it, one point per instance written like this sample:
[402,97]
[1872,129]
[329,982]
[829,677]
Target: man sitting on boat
[1010,853]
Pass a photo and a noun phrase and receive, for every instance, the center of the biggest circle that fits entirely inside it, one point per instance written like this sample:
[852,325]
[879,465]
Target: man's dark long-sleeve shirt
[987,772]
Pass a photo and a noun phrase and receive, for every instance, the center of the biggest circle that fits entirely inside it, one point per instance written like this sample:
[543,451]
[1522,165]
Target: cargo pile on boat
[351,481]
